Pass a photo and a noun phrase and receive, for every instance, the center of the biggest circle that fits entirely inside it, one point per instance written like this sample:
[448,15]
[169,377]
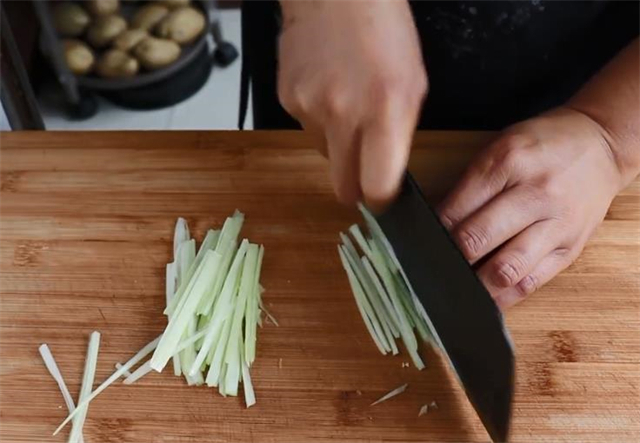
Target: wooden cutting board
[86,224]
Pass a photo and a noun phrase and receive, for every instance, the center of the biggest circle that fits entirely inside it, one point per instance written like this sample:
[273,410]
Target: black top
[490,63]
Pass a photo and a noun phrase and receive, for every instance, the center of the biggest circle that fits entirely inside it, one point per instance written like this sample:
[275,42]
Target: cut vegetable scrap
[396,391]
[142,353]
[87,385]
[423,410]
[388,306]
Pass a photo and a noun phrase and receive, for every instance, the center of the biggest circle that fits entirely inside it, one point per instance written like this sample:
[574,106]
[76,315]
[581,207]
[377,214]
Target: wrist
[622,149]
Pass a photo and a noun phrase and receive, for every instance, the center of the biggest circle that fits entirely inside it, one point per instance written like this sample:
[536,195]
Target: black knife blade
[465,321]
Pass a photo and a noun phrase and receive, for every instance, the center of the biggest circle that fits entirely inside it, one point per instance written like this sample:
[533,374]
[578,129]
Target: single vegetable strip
[87,385]
[172,282]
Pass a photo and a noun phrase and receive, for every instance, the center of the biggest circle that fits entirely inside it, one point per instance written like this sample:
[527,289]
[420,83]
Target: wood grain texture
[86,224]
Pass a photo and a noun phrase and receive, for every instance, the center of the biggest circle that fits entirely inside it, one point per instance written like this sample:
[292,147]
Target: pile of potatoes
[98,39]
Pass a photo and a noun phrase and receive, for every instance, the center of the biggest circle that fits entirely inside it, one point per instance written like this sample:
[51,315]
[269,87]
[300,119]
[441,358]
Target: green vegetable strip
[223,375]
[136,375]
[232,353]
[359,296]
[223,306]
[253,313]
[417,320]
[210,241]
[180,319]
[267,314]
[225,247]
[403,324]
[377,232]
[171,283]
[180,234]
[383,296]
[223,311]
[406,332]
[87,385]
[212,350]
[370,303]
[215,376]
[203,322]
[142,353]
[146,367]
[186,258]
[227,253]
[370,290]
[52,367]
[357,234]
[394,318]
[249,394]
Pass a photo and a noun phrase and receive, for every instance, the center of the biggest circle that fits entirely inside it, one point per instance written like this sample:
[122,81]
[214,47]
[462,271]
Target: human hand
[352,74]
[530,202]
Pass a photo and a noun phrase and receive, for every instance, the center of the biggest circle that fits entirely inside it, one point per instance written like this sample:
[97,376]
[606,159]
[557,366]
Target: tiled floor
[215,106]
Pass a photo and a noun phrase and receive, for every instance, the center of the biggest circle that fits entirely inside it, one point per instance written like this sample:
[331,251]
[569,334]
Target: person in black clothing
[562,78]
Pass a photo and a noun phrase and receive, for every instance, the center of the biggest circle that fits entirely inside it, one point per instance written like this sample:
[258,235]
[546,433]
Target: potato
[70,20]
[129,39]
[105,30]
[103,7]
[182,25]
[148,16]
[78,55]
[171,4]
[115,63]
[154,53]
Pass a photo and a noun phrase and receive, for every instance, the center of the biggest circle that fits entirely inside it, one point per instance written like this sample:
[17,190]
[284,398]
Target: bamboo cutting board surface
[86,224]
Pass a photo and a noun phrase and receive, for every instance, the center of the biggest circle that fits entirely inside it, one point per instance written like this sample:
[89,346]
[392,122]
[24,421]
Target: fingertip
[378,199]
[345,185]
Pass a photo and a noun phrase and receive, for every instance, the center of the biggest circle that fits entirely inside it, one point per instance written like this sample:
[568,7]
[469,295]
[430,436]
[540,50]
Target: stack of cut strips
[213,307]
[385,299]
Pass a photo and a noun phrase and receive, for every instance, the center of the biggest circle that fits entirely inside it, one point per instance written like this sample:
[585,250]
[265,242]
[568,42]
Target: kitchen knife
[463,318]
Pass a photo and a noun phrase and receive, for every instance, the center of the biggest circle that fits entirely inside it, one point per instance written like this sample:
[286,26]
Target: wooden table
[86,226]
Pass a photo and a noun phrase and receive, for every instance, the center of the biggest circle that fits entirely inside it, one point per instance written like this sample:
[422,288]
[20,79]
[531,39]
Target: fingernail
[528,284]
[446,221]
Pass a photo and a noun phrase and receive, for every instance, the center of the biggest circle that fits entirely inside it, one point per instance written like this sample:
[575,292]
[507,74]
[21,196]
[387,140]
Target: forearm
[612,99]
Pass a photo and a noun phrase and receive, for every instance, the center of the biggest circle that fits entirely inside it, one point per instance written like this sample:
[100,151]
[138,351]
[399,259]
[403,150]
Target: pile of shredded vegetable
[387,304]
[213,308]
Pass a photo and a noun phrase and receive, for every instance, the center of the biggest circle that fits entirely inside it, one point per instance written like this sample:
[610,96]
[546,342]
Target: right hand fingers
[386,143]
[368,149]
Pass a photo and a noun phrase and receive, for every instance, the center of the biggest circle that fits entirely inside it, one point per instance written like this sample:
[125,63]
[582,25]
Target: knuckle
[289,97]
[550,189]
[472,239]
[335,102]
[510,152]
[388,86]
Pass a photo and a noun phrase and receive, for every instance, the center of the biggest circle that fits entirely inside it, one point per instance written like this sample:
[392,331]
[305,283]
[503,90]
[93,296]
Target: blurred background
[120,64]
